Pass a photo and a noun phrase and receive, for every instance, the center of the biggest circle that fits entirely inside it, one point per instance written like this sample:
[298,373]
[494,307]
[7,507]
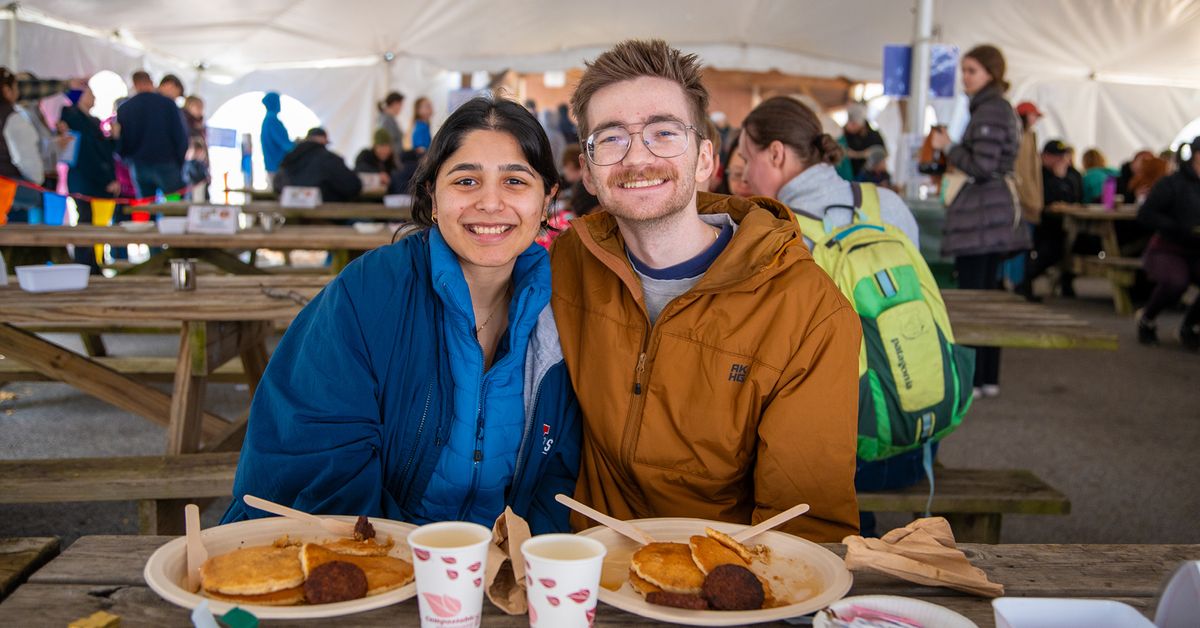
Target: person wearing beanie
[379,158]
[860,137]
[983,226]
[273,136]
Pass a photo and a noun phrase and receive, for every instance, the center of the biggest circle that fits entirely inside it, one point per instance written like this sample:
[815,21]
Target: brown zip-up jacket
[740,402]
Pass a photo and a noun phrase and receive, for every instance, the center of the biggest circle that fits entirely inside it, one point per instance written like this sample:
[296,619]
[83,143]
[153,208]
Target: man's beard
[683,193]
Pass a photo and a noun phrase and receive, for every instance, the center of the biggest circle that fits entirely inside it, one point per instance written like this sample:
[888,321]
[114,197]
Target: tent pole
[919,88]
[12,37]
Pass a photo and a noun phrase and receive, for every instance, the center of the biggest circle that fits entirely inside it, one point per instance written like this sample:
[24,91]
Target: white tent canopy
[1110,73]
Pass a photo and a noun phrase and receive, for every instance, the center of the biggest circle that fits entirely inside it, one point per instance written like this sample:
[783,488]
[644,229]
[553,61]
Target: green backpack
[915,384]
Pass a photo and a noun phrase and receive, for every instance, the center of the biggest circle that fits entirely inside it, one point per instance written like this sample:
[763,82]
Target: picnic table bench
[324,211]
[105,573]
[973,500]
[1120,267]
[994,318]
[20,557]
[212,248]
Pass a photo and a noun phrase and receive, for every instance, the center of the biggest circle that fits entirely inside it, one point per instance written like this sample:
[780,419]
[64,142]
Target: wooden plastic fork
[614,524]
[340,528]
[773,522]
[196,552]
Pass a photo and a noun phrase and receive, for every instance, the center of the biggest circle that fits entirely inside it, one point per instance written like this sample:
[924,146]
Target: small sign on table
[213,219]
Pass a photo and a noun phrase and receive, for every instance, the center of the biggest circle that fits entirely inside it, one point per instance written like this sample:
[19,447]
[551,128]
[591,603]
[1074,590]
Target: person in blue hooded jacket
[274,137]
[426,382]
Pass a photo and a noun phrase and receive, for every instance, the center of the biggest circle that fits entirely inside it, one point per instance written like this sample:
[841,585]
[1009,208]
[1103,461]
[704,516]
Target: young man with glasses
[716,364]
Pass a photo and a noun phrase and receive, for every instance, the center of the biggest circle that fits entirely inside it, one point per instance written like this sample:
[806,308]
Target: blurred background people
[273,136]
[982,226]
[311,164]
[389,110]
[859,137]
[422,134]
[152,139]
[1172,260]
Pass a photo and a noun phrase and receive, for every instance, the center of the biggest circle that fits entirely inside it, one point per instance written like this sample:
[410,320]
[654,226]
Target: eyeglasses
[274,293]
[665,138]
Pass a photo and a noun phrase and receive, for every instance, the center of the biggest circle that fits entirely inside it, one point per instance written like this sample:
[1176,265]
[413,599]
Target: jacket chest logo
[547,442]
[738,372]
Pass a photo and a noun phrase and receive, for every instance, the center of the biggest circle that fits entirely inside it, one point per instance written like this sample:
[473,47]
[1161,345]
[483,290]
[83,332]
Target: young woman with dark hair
[983,222]
[426,382]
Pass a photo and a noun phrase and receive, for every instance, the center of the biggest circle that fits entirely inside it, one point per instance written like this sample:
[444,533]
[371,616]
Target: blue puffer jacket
[356,406]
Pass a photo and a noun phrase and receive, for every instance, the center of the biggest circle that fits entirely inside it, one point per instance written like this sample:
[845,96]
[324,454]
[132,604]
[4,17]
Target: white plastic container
[1030,612]
[57,278]
[172,224]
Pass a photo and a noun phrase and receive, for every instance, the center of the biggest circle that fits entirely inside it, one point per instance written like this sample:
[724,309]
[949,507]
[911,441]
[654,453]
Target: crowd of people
[515,374]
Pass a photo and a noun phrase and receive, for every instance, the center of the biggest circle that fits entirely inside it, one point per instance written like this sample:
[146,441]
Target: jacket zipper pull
[637,374]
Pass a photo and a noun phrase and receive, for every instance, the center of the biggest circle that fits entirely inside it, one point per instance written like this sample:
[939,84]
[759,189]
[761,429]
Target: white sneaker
[977,393]
[990,390]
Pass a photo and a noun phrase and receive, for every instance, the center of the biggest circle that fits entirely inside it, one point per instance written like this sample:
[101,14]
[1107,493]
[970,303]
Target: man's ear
[706,162]
[585,168]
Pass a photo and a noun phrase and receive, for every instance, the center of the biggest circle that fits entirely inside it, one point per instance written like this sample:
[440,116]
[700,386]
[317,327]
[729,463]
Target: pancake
[253,571]
[641,586]
[709,554]
[285,597]
[384,573]
[724,539]
[359,548]
[668,566]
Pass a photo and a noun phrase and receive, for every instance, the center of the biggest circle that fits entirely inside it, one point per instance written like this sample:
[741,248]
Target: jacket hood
[767,241]
[270,100]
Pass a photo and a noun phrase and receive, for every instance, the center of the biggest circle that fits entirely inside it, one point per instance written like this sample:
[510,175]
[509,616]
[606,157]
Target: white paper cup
[562,579]
[449,560]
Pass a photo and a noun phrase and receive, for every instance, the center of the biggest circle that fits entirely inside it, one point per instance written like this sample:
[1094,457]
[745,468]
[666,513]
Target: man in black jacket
[1058,186]
[1172,260]
[311,164]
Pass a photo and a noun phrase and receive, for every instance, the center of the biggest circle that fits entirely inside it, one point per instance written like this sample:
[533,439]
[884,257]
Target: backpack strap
[866,200]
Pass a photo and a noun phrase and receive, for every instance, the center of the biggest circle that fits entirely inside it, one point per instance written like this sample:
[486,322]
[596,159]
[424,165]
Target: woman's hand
[938,138]
[113,188]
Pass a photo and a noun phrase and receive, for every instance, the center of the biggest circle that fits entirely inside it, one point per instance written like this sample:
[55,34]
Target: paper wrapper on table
[505,576]
[923,552]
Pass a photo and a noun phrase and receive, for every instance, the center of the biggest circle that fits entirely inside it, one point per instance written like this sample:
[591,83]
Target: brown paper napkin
[505,576]
[923,552]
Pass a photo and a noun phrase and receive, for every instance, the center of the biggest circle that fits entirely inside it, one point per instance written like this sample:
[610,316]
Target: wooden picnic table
[105,573]
[994,318]
[326,211]
[224,318]
[1112,262]
[213,248]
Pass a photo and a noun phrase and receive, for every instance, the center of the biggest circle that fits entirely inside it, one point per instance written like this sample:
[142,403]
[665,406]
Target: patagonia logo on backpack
[915,383]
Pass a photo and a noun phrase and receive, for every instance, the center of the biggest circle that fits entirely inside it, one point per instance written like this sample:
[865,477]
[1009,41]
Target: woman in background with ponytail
[983,222]
[789,158]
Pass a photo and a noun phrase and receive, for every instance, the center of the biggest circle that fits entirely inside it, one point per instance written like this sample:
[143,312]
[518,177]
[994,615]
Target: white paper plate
[809,575]
[920,611]
[130,225]
[166,570]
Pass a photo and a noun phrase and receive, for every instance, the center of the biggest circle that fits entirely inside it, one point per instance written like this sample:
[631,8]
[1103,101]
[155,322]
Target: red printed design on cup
[591,615]
[552,600]
[421,554]
[475,567]
[449,560]
[478,581]
[547,582]
[580,596]
[443,605]
[453,575]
